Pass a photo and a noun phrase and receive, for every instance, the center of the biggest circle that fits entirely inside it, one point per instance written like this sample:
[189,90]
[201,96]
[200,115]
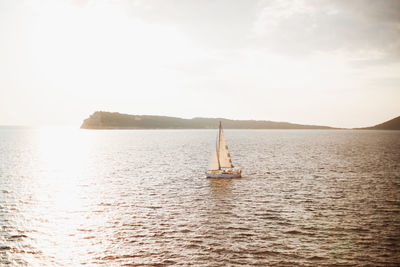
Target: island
[115,120]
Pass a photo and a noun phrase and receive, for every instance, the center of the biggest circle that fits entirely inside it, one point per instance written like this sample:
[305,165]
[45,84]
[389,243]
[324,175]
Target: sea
[71,197]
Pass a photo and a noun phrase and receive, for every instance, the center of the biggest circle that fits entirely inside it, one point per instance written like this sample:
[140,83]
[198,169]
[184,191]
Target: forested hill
[393,124]
[115,120]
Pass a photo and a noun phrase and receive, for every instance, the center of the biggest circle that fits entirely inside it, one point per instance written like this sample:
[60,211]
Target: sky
[334,63]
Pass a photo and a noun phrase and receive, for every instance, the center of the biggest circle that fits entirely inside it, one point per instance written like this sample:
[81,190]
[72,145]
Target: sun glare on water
[62,156]
[60,189]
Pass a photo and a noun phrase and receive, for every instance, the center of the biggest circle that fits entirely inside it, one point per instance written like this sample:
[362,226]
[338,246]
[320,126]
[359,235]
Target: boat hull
[224,174]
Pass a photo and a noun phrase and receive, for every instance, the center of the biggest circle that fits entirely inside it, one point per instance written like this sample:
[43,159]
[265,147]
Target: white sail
[223,152]
[213,166]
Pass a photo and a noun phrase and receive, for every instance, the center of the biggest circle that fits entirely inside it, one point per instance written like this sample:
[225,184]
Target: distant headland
[115,120]
[393,124]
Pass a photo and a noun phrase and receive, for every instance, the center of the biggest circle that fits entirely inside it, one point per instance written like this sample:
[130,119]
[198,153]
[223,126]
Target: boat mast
[218,144]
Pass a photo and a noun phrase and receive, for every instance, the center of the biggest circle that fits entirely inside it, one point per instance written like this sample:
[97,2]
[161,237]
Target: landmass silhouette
[115,120]
[393,124]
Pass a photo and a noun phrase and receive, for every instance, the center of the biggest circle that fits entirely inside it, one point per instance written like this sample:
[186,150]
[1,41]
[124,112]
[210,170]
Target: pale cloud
[222,24]
[363,30]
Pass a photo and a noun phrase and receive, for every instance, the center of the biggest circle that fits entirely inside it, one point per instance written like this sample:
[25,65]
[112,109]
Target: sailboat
[221,164]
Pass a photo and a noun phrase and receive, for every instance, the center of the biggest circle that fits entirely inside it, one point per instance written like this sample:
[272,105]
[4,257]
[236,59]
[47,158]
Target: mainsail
[221,157]
[223,152]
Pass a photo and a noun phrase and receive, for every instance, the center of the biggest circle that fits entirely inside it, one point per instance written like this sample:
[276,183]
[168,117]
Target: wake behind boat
[221,164]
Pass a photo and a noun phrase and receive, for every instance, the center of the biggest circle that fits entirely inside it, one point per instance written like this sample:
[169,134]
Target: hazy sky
[332,62]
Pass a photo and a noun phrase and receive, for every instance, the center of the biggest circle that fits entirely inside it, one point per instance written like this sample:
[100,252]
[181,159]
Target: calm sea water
[113,198]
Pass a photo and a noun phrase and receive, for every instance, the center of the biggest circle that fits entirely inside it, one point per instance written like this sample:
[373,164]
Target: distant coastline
[393,124]
[113,120]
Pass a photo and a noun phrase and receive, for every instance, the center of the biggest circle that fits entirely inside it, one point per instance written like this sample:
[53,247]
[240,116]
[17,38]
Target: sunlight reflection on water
[58,184]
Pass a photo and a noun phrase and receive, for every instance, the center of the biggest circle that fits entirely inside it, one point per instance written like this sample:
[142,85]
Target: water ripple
[139,198]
